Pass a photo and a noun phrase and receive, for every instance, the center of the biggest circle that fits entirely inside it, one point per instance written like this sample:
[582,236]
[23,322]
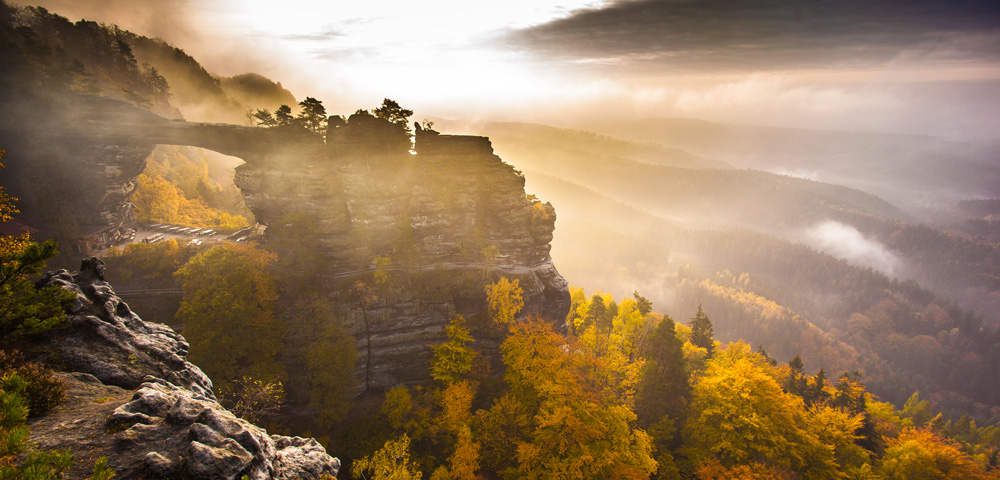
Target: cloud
[741,35]
[846,242]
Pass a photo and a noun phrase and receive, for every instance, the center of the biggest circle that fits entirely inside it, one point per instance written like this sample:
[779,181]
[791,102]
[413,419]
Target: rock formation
[443,219]
[171,426]
[432,215]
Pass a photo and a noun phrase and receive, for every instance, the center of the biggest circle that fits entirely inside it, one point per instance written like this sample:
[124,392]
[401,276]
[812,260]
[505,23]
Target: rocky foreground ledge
[134,398]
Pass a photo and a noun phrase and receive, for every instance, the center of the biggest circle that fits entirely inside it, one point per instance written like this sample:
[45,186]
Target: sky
[914,66]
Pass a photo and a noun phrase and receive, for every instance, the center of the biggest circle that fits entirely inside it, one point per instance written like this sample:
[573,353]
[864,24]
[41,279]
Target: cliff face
[171,426]
[441,222]
[438,223]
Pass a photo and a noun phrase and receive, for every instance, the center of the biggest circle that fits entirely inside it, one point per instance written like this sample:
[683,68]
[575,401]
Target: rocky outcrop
[171,426]
[109,341]
[445,219]
[448,216]
[177,434]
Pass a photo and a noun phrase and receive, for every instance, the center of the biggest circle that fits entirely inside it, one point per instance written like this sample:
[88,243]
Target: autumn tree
[464,462]
[701,331]
[576,318]
[456,419]
[155,199]
[499,430]
[159,200]
[253,399]
[330,358]
[148,262]
[453,359]
[24,308]
[576,430]
[489,255]
[391,462]
[227,310]
[504,301]
[740,416]
[919,454]
[324,353]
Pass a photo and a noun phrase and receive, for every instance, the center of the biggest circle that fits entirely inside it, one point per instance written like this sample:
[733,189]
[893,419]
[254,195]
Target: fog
[786,165]
[891,66]
[847,243]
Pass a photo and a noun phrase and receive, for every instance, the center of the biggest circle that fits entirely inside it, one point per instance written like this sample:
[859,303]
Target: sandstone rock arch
[430,212]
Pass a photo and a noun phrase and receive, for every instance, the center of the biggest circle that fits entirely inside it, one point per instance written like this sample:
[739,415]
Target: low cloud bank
[846,242]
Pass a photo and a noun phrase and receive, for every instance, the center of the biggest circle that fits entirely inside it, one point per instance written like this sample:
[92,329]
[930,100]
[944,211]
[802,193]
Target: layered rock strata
[172,426]
[446,217]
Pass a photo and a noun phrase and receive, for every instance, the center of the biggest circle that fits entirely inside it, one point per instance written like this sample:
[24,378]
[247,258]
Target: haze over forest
[922,67]
[819,179]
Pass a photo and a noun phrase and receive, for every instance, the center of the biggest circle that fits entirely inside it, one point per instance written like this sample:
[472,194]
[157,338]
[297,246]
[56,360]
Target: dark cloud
[761,34]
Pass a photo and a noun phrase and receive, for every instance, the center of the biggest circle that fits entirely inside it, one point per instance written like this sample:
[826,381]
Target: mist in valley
[829,194]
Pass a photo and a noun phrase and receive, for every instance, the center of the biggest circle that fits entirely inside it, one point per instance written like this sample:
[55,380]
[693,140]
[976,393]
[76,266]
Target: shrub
[41,390]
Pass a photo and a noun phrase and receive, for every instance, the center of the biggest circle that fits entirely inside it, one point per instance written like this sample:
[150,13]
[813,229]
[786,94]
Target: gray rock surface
[109,341]
[177,434]
[171,426]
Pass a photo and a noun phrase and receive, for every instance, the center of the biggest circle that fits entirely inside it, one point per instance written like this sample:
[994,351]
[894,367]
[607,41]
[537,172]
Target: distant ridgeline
[433,225]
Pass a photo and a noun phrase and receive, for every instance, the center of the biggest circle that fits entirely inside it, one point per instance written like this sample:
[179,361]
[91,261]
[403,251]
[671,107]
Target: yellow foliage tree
[157,200]
[391,462]
[148,261]
[462,464]
[227,310]
[740,416]
[577,431]
[453,359]
[504,301]
[456,405]
[919,454]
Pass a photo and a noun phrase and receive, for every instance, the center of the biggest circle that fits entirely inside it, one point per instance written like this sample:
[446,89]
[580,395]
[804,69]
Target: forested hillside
[725,320]
[757,249]
[925,172]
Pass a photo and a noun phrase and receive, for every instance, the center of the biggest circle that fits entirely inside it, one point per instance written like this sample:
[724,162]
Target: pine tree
[597,313]
[645,306]
[313,115]
[664,388]
[701,331]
